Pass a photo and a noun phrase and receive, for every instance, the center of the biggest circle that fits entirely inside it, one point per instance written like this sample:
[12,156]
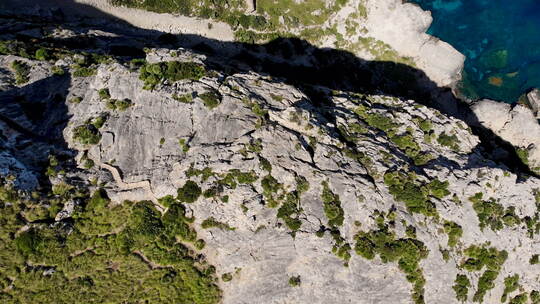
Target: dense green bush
[84,71]
[104,94]
[406,252]
[295,281]
[454,232]
[190,192]
[519,299]
[213,223]
[290,210]
[42,54]
[405,188]
[271,190]
[154,73]
[332,206]
[450,141]
[22,71]
[211,99]
[461,287]
[480,257]
[492,214]
[105,257]
[511,284]
[86,134]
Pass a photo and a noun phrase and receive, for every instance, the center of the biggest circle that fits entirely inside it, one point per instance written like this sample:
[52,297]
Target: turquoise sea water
[501,39]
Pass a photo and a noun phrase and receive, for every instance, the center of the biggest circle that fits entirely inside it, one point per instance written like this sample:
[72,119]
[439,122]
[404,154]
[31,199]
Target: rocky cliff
[160,175]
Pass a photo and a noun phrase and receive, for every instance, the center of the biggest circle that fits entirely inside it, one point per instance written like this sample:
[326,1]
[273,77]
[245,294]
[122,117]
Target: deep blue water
[501,39]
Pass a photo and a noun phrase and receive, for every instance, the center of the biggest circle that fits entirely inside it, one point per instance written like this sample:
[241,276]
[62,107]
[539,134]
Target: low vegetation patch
[332,206]
[406,188]
[154,73]
[105,256]
[87,134]
[488,258]
[407,252]
[461,287]
[21,70]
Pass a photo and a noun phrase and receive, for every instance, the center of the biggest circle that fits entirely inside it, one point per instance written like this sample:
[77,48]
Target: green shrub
[84,72]
[511,283]
[438,189]
[211,99]
[448,141]
[290,210]
[519,299]
[405,188]
[189,193]
[186,98]
[22,71]
[122,105]
[183,145]
[523,155]
[454,232]
[302,184]
[56,70]
[213,223]
[406,252]
[295,281]
[480,257]
[42,54]
[226,277]
[534,259]
[461,287]
[492,214]
[485,283]
[154,73]
[76,99]
[535,297]
[87,134]
[27,242]
[332,206]
[271,190]
[104,93]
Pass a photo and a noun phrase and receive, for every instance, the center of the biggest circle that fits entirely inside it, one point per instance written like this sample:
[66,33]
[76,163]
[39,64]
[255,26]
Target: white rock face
[534,100]
[348,143]
[299,139]
[516,125]
[403,26]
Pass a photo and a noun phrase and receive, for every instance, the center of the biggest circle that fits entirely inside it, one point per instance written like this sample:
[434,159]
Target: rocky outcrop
[309,195]
[515,124]
[533,99]
[403,26]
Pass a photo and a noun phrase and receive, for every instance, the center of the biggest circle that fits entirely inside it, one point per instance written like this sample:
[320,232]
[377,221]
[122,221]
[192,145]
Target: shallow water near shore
[501,39]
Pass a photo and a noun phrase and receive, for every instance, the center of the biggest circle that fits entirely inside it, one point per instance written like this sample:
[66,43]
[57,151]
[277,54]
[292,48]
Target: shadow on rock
[292,60]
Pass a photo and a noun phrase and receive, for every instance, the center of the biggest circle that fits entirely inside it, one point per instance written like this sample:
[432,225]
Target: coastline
[407,35]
